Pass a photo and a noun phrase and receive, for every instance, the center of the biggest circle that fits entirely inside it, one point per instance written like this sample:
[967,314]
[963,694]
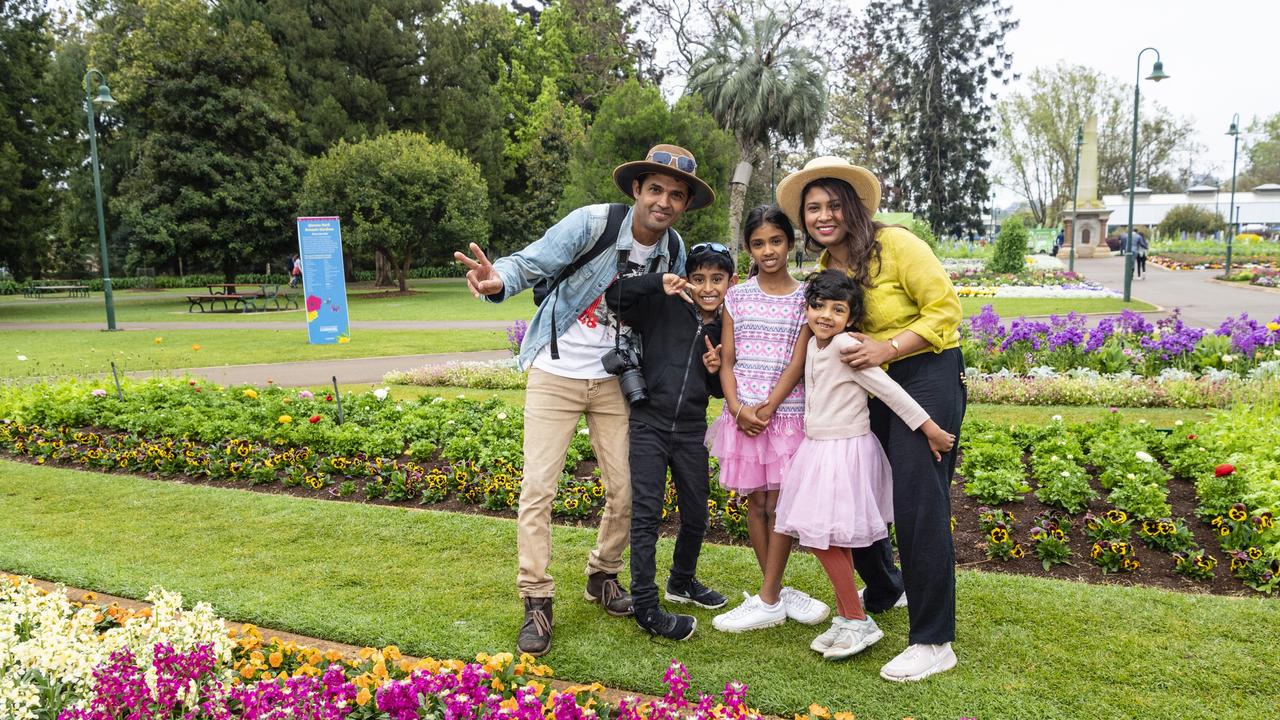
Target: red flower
[1224,469]
[314,419]
[328,398]
[1192,436]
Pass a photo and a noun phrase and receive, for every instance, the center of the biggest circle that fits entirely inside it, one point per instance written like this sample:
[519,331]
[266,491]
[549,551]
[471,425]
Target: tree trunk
[403,272]
[738,198]
[382,268]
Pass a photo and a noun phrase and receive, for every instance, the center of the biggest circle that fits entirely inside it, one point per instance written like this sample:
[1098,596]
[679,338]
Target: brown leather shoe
[535,633]
[605,589]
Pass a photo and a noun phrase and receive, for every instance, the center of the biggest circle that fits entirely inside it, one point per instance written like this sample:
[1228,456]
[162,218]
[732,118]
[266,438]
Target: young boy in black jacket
[679,324]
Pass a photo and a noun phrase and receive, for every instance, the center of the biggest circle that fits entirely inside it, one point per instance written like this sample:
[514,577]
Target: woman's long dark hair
[860,229]
[760,216]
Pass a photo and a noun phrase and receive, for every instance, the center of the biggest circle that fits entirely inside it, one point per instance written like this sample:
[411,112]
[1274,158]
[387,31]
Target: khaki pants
[552,407]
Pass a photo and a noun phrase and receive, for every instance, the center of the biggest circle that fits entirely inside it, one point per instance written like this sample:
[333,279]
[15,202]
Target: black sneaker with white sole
[659,622]
[696,593]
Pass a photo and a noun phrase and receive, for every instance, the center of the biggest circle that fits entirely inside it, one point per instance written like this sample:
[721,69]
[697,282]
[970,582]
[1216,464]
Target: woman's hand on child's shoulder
[940,441]
[867,352]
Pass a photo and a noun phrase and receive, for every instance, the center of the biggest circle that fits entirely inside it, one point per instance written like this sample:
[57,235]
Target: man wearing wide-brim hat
[571,332]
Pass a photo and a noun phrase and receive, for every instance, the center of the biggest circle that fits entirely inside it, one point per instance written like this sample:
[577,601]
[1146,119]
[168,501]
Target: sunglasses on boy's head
[710,246]
[679,162]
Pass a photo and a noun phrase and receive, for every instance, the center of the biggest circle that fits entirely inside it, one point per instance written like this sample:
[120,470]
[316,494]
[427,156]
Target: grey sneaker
[823,642]
[605,589]
[853,637]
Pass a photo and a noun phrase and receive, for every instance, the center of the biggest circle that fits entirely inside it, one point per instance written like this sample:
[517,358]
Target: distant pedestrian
[295,274]
[1140,248]
[1058,242]
[799,256]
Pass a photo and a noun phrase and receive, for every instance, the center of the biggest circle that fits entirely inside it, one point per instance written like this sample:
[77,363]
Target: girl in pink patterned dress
[763,419]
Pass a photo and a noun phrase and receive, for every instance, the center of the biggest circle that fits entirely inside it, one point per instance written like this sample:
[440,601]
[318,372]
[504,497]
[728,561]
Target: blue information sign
[324,284]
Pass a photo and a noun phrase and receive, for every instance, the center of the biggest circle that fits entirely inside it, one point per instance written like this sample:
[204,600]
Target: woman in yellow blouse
[912,326]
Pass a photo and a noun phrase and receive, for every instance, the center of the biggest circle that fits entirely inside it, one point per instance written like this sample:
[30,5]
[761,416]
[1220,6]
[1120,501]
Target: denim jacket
[556,249]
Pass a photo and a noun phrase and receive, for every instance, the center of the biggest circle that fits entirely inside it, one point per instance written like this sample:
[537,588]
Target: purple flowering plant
[515,336]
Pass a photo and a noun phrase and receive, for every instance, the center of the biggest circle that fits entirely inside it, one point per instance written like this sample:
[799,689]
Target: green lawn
[1014,307]
[435,300]
[63,352]
[442,584]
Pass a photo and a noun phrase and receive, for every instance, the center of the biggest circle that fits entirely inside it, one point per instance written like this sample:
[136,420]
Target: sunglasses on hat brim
[683,163]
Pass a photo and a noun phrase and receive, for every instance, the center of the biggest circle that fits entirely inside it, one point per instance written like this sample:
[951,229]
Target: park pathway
[320,372]
[1202,302]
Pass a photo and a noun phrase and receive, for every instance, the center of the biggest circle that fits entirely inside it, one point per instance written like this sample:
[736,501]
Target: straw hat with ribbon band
[864,183]
[671,160]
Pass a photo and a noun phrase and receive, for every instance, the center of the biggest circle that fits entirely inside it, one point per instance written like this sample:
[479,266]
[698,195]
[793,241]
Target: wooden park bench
[241,301]
[245,301]
[39,291]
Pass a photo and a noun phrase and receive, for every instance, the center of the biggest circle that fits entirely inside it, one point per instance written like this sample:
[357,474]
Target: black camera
[624,361]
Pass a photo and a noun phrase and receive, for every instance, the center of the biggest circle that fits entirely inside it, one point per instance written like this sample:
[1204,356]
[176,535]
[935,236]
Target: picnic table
[39,291]
[233,298]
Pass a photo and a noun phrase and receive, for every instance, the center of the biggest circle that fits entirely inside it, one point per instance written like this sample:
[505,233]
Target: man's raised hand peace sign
[481,277]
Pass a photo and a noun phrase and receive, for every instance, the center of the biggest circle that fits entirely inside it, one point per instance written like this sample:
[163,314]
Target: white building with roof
[1261,206]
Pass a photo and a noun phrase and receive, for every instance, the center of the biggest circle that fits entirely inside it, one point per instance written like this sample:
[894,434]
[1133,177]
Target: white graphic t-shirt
[587,340]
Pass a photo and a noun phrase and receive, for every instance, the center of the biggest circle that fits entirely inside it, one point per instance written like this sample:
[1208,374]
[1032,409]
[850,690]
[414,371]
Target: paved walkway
[320,372]
[269,325]
[1202,302]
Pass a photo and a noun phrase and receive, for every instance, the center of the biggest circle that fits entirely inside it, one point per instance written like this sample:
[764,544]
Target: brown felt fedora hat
[671,160]
[864,183]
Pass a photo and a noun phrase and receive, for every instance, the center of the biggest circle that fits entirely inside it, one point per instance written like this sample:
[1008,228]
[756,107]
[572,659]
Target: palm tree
[758,88]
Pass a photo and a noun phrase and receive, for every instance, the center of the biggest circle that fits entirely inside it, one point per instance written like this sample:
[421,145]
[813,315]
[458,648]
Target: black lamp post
[1126,247]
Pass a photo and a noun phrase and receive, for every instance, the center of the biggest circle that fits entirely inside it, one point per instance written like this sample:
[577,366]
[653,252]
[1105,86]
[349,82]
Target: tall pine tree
[939,57]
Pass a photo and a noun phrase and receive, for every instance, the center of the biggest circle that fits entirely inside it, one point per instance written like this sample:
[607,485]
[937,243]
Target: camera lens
[632,384]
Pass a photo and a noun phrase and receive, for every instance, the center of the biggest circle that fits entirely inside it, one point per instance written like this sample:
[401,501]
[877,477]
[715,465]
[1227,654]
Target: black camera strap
[617,213]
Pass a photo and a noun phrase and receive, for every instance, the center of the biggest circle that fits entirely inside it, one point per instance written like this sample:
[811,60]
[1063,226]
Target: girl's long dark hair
[836,285]
[760,216]
[860,229]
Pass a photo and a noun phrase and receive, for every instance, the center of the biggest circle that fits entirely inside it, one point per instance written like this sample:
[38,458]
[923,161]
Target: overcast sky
[1223,57]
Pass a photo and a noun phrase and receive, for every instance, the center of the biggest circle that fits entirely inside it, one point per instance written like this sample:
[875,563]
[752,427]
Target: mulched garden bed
[970,541]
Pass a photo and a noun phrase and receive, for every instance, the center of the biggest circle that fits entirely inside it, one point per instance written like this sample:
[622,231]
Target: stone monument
[1085,224]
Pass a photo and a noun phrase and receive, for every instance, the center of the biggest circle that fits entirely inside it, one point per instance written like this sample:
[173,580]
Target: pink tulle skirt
[749,464]
[836,492]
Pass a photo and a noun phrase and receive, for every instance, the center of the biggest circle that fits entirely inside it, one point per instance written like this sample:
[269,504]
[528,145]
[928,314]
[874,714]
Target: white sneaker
[918,662]
[802,608]
[852,637]
[822,643]
[901,602]
[752,614]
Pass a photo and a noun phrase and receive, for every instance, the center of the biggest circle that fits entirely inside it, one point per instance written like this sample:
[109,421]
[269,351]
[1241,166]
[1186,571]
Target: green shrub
[1190,219]
[1011,248]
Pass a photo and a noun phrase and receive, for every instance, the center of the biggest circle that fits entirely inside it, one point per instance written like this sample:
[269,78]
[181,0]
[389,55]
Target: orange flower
[275,659]
[363,697]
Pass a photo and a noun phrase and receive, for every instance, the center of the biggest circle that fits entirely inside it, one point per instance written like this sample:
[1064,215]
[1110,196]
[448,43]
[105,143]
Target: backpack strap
[607,239]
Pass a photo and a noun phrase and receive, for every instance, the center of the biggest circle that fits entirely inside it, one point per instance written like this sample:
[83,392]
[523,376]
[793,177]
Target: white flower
[1177,423]
[381,393]
[1144,457]
[1130,476]
[1066,473]
[1056,418]
[1228,359]
[1142,421]
[437,399]
[22,358]
[1054,458]
[584,431]
[502,416]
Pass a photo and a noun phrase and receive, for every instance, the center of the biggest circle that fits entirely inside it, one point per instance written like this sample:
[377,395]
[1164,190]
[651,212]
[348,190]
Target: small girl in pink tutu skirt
[837,490]
[763,419]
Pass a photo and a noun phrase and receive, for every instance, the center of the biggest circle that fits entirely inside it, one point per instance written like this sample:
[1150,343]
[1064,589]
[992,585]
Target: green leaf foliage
[1011,248]
[402,195]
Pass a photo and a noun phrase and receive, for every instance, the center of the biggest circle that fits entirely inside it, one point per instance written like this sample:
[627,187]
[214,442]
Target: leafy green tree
[26,160]
[938,57]
[1011,247]
[216,166]
[399,195]
[1263,154]
[633,119]
[593,47]
[1190,219]
[759,86]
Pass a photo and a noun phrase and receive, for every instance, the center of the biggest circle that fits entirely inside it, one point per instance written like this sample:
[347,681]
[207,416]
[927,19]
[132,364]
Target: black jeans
[1141,262]
[921,501]
[652,453]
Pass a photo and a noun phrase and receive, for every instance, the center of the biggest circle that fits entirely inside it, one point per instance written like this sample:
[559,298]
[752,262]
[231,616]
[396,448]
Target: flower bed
[1127,343]
[1172,388]
[77,661]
